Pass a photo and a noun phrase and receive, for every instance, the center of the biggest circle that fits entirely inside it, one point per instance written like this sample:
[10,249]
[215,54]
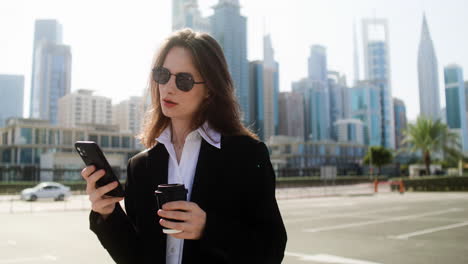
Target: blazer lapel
[208,163]
[208,159]
[157,165]
[157,168]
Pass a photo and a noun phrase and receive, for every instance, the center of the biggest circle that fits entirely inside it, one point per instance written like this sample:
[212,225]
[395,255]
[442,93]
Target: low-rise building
[29,142]
[291,156]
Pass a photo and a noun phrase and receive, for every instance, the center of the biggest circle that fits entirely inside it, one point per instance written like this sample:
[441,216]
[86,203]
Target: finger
[88,171]
[94,196]
[177,205]
[106,188]
[173,225]
[92,179]
[176,215]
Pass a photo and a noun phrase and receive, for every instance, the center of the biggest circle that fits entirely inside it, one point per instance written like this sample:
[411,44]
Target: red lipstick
[169,103]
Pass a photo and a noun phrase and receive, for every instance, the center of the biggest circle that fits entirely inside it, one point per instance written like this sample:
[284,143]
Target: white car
[46,190]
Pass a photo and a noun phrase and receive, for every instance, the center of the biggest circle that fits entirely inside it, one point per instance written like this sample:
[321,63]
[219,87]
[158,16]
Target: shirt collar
[210,135]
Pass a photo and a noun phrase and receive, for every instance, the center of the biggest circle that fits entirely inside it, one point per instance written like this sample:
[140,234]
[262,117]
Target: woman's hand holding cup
[192,216]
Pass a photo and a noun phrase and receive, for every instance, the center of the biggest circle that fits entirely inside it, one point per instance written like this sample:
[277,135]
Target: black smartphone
[92,154]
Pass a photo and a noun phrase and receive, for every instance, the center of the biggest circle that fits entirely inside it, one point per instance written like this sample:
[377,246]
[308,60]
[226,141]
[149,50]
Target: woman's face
[177,104]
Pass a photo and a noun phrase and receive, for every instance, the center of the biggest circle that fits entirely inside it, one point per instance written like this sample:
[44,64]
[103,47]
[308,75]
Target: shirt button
[172,250]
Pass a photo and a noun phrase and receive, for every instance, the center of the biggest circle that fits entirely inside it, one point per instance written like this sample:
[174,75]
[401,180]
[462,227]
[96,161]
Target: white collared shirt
[184,172]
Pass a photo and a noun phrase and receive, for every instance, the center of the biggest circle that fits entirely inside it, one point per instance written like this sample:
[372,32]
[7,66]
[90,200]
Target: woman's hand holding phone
[100,203]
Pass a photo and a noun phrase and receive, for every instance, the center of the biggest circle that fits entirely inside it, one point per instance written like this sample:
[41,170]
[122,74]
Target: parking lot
[383,228]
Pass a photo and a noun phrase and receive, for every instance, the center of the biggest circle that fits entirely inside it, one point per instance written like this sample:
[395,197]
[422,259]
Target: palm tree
[430,136]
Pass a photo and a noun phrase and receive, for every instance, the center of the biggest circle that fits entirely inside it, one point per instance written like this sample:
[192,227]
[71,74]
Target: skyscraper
[270,88]
[304,87]
[291,111]
[52,80]
[466,98]
[317,63]
[257,117]
[11,97]
[365,105]
[229,28]
[355,56]
[455,102]
[339,101]
[51,77]
[185,14]
[400,120]
[319,100]
[377,70]
[264,90]
[316,106]
[44,30]
[428,76]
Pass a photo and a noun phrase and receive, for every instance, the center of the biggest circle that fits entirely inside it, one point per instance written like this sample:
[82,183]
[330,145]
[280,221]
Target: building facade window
[26,135]
[40,136]
[115,142]
[54,137]
[125,142]
[67,137]
[93,138]
[79,136]
[104,141]
[26,156]
[6,156]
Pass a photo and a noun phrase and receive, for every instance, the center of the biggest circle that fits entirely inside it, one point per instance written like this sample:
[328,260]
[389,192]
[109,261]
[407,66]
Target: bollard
[376,186]
[402,187]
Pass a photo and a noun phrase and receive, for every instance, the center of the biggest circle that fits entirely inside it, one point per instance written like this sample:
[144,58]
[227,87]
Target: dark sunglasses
[184,80]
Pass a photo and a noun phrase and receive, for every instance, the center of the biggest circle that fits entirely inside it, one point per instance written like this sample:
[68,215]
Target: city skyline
[95,43]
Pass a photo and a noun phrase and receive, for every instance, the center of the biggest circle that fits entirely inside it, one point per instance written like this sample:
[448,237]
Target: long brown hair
[220,109]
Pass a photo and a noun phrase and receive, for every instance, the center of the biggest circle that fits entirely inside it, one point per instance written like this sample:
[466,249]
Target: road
[383,228]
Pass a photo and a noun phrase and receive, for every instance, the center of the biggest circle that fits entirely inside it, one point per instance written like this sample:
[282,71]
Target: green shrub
[437,184]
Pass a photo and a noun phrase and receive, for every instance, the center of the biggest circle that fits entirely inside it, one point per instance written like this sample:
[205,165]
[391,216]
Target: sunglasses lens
[184,81]
[161,75]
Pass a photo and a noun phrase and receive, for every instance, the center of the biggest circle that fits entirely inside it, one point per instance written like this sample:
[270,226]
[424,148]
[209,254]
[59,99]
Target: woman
[194,136]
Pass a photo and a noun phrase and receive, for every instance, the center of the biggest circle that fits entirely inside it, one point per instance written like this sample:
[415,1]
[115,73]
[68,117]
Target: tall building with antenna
[377,70]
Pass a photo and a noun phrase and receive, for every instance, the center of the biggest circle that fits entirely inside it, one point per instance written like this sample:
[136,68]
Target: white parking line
[392,219]
[428,231]
[325,258]
[355,214]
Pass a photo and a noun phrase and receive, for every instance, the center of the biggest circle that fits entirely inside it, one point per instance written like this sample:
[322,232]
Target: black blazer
[234,185]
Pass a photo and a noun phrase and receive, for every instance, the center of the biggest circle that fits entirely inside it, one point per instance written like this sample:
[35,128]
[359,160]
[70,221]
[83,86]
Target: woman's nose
[170,86]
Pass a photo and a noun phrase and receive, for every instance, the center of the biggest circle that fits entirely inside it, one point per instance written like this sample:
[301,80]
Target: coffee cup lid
[171,231]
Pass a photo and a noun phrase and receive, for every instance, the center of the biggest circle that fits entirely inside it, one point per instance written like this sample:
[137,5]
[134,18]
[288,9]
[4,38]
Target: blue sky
[113,41]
